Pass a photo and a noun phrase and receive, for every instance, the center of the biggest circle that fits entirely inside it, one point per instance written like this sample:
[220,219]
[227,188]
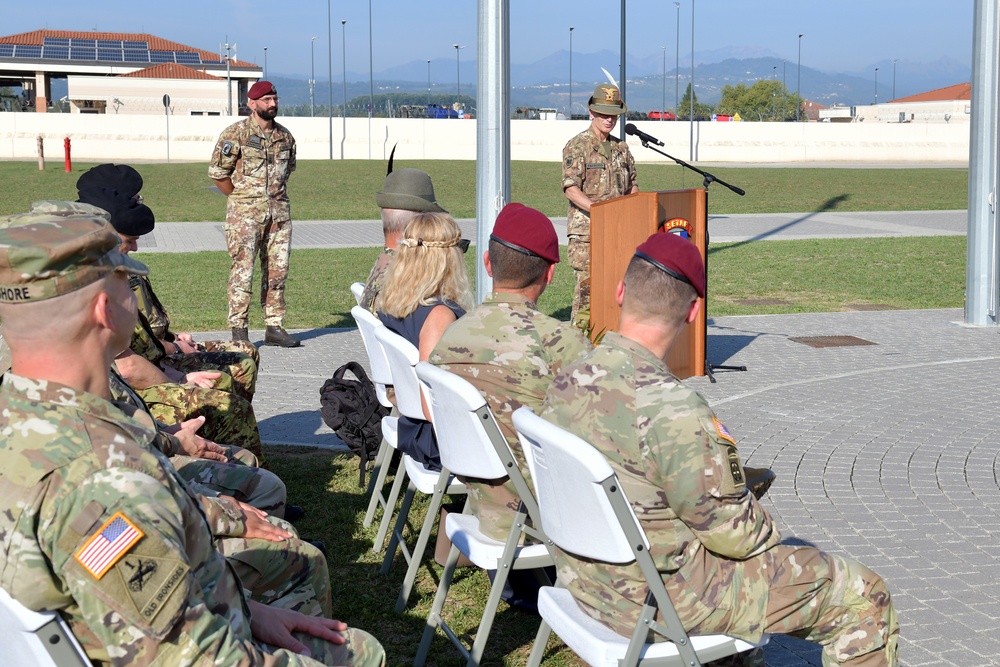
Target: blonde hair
[428,267]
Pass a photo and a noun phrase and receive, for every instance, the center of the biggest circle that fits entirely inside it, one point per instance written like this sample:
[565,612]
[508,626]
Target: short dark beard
[266,114]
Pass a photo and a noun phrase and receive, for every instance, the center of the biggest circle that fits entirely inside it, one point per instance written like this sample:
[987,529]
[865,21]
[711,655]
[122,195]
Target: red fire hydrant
[69,160]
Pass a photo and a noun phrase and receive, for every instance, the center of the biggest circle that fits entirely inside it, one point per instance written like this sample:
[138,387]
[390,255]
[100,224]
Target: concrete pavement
[885,444]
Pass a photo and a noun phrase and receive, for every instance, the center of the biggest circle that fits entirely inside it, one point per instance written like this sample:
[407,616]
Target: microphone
[636,132]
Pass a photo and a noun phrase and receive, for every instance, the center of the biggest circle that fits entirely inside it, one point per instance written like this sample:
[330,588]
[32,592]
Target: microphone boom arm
[709,178]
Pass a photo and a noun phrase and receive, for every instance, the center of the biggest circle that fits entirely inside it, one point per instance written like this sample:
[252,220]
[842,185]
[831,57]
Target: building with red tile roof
[101,67]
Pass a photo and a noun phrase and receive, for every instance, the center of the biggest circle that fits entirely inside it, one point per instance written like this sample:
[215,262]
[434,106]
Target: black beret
[128,216]
[120,177]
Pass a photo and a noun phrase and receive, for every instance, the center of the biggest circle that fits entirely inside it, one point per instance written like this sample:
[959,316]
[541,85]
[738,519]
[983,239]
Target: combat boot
[278,336]
[240,333]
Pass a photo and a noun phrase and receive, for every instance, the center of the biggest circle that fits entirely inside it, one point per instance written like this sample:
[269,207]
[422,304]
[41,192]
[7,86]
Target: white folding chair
[358,290]
[382,378]
[402,357]
[41,639]
[585,513]
[472,445]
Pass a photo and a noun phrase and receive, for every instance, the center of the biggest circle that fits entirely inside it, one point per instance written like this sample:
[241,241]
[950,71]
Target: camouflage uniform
[228,418]
[716,547]
[376,279]
[240,371]
[510,351]
[258,216]
[602,171]
[77,470]
[241,477]
[159,323]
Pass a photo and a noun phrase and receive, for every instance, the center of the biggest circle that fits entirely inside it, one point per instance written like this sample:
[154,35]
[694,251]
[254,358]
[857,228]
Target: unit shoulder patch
[109,545]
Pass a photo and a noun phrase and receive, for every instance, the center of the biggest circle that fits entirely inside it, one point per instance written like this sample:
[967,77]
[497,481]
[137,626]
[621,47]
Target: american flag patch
[723,431]
[111,542]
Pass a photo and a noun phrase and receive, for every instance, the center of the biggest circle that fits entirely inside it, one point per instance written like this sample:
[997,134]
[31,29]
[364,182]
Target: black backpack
[351,409]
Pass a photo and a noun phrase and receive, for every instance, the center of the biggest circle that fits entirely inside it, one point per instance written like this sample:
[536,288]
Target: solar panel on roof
[109,43]
[110,54]
[161,56]
[55,52]
[188,58]
[136,56]
[6,50]
[55,41]
[82,53]
[27,51]
[135,45]
[75,41]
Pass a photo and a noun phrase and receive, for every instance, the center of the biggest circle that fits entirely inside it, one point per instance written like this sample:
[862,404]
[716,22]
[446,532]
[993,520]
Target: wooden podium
[617,227]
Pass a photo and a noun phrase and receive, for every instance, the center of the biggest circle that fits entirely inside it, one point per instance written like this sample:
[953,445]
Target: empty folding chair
[382,378]
[585,513]
[41,639]
[358,290]
[472,445]
[403,356]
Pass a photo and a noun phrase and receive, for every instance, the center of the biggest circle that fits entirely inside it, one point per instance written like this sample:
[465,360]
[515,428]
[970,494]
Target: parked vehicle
[661,115]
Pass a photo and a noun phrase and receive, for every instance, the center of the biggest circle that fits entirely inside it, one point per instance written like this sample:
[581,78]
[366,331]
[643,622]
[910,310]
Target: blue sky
[847,35]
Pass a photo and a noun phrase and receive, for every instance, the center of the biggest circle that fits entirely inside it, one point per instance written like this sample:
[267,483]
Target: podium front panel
[617,227]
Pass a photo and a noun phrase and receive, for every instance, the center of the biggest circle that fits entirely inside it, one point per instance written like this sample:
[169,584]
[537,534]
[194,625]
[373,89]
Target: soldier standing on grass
[251,165]
[596,167]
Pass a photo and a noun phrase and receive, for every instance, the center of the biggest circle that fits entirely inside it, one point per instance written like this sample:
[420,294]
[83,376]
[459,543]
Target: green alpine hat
[607,99]
[409,190]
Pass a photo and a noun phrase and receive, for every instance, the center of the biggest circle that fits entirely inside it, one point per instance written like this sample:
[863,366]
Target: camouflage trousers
[245,240]
[246,347]
[243,481]
[240,367]
[578,252]
[229,419]
[836,602]
[359,649]
[292,574]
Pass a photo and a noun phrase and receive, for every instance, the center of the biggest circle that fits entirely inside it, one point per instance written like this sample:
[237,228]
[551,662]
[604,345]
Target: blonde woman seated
[425,290]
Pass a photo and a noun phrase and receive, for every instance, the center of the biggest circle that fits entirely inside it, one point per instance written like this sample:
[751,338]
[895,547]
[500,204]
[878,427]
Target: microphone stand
[710,368]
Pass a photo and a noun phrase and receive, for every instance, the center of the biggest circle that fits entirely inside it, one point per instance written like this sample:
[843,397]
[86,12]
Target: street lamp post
[798,81]
[677,63]
[312,77]
[569,113]
[876,86]
[893,80]
[458,75]
[663,102]
[691,118]
[265,62]
[329,53]
[343,108]
[784,89]
[774,92]
[428,87]
[371,81]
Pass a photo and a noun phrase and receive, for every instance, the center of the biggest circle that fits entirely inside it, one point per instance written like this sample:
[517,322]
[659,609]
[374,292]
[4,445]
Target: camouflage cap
[607,99]
[409,190]
[51,255]
[52,207]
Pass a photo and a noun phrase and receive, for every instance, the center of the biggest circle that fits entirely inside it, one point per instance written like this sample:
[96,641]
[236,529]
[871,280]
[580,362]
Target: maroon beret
[260,89]
[526,230]
[677,257]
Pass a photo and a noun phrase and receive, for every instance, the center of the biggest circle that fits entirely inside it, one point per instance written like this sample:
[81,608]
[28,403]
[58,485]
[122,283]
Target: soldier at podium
[596,167]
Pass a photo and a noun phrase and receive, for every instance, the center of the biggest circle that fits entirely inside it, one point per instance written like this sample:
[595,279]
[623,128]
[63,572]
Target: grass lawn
[327,484]
[745,279]
[345,190]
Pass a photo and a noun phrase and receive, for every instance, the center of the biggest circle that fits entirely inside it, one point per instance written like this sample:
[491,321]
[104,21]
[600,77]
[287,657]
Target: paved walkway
[192,236]
[886,452]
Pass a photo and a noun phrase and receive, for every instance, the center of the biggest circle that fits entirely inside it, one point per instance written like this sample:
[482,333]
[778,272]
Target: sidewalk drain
[831,341]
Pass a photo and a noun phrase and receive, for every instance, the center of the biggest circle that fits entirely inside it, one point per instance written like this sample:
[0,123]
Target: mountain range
[544,83]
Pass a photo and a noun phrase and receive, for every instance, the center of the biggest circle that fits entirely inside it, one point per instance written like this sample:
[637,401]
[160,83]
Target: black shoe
[293,513]
[240,333]
[278,336]
[319,545]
